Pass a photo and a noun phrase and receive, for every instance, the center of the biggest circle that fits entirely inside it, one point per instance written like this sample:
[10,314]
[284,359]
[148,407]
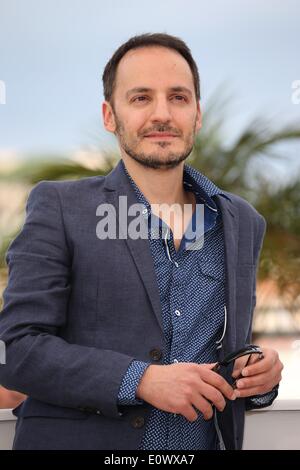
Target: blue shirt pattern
[192,294]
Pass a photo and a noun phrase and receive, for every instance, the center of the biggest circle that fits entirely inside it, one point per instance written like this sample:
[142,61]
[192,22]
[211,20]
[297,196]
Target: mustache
[161,128]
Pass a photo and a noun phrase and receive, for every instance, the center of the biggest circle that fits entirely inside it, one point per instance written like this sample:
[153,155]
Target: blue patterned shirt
[192,293]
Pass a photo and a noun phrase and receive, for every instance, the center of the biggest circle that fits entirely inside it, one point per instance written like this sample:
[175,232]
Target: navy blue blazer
[77,310]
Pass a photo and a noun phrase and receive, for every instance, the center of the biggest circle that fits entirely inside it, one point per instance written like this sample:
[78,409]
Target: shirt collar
[204,190]
[193,180]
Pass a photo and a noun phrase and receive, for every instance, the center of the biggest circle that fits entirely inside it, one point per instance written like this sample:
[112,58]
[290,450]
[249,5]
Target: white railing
[7,429]
[273,428]
[276,427]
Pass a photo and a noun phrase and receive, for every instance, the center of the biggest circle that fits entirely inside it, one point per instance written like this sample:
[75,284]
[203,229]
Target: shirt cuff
[130,382]
[261,401]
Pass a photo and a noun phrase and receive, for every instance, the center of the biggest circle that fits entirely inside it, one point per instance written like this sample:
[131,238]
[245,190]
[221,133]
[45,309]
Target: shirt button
[138,422]
[176,264]
[178,313]
[175,360]
[155,354]
[145,211]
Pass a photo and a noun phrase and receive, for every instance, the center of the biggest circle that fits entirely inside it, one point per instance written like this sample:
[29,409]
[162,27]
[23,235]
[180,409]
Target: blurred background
[52,56]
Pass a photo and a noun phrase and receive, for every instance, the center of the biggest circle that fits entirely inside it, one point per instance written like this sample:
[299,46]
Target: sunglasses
[250,350]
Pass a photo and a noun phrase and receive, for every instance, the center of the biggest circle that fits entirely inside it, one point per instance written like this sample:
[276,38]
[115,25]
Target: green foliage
[241,169]
[236,168]
[53,168]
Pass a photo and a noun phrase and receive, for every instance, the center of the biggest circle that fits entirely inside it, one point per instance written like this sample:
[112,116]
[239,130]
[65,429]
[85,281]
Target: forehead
[152,67]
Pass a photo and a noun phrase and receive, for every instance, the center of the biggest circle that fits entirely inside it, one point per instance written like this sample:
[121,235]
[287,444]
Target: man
[113,338]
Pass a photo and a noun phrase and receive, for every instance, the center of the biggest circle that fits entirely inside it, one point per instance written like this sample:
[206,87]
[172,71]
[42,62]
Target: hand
[241,363]
[259,376]
[184,388]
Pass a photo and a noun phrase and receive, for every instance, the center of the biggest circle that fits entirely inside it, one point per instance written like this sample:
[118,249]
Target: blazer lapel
[117,184]
[230,219]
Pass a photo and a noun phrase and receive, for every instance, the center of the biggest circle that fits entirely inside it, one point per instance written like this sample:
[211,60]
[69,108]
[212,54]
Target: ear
[198,118]
[108,117]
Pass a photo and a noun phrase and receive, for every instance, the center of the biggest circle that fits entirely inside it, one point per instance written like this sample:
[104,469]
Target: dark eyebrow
[179,89]
[176,89]
[137,90]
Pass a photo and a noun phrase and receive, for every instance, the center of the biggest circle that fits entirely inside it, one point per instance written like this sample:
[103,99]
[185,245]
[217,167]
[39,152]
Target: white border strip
[6,415]
[281,405]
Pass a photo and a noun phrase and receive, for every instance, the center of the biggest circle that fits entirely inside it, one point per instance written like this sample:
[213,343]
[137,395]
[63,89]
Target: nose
[161,110]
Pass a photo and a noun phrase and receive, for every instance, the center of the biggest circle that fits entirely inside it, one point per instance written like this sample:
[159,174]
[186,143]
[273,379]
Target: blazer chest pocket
[213,270]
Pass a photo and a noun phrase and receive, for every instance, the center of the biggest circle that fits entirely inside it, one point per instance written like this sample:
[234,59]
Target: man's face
[155,114]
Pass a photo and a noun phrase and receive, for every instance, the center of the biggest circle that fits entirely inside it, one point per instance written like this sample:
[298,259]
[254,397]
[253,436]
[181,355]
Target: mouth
[160,136]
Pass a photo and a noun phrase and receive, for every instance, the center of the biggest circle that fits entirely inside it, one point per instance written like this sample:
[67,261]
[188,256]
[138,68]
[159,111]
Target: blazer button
[138,422]
[155,354]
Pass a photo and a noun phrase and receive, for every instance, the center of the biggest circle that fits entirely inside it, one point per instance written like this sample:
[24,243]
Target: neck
[159,185]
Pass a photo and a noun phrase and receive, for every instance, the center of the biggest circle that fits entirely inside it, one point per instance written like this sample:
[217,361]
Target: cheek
[135,125]
[185,121]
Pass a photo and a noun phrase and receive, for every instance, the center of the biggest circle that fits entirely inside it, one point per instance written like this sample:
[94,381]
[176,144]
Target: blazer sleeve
[259,238]
[259,401]
[39,363]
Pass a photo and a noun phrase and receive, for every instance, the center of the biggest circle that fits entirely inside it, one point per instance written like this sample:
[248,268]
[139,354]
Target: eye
[181,98]
[139,98]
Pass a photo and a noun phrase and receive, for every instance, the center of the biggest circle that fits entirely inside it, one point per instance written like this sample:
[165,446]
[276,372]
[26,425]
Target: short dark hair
[146,40]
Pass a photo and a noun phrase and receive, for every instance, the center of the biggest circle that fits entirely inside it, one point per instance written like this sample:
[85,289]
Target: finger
[243,362]
[259,390]
[273,375]
[254,381]
[260,366]
[217,381]
[190,413]
[213,395]
[255,358]
[239,363]
[201,404]
[237,371]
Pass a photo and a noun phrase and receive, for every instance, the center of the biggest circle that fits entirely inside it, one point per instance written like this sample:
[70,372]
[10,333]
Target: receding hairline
[152,46]
[177,88]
